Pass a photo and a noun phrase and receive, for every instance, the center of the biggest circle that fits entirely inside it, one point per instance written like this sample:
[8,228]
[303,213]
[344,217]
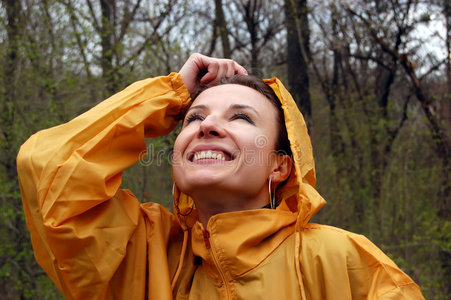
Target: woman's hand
[200,69]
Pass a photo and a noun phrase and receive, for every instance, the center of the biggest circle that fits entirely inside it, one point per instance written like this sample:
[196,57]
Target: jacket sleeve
[81,223]
[337,264]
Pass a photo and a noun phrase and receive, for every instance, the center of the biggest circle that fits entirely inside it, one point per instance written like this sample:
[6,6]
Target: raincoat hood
[298,195]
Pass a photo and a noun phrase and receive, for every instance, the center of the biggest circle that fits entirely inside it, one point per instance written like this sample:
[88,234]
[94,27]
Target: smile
[211,155]
[208,155]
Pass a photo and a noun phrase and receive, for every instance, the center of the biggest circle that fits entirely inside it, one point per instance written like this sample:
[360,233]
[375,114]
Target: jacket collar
[236,249]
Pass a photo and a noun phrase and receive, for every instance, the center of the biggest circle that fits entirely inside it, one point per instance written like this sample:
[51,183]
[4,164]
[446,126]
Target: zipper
[208,245]
[206,238]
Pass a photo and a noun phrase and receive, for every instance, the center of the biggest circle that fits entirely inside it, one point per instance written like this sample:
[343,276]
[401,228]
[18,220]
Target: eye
[242,116]
[193,117]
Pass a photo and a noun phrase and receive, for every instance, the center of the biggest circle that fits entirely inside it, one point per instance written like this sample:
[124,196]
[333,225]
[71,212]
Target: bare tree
[262,20]
[221,27]
[298,53]
[447,100]
[115,25]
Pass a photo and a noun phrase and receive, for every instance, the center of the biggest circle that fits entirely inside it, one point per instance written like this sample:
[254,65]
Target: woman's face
[226,145]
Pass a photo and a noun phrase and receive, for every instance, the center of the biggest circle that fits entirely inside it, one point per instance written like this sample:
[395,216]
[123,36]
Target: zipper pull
[206,238]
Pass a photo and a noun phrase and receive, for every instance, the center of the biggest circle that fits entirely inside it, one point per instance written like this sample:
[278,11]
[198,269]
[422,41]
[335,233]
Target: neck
[210,205]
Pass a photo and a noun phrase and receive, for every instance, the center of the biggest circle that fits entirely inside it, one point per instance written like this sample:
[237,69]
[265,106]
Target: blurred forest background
[372,78]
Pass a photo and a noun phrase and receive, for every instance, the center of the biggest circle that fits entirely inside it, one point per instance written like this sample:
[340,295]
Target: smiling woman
[226,120]
[243,196]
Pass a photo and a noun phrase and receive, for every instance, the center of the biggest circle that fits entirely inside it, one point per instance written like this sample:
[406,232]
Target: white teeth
[208,155]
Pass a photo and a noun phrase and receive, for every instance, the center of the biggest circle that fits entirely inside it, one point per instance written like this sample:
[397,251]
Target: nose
[210,127]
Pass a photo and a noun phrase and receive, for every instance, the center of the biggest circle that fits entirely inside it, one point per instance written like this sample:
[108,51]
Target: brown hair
[255,83]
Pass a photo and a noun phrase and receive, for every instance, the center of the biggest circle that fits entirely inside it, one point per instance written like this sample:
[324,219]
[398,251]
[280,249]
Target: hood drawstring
[181,259]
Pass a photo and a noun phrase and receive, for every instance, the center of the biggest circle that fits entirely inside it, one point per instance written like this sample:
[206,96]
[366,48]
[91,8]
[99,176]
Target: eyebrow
[199,106]
[233,106]
[243,106]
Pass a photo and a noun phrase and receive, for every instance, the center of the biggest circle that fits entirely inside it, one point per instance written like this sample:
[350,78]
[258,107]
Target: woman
[242,200]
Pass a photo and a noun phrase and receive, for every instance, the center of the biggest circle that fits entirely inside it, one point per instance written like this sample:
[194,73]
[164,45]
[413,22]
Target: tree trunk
[447,100]
[221,26]
[9,88]
[107,42]
[8,143]
[250,11]
[296,12]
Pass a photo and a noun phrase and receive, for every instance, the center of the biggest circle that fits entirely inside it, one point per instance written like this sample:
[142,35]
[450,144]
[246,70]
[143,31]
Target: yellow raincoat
[96,241]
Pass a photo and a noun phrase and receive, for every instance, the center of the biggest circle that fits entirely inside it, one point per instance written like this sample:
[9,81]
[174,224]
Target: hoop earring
[177,207]
[272,198]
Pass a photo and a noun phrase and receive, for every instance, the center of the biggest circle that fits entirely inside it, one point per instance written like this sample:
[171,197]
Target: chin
[188,183]
[205,180]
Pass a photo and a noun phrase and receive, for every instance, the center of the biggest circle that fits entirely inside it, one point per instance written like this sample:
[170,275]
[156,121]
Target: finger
[222,72]
[239,69]
[202,62]
[230,71]
[226,68]
[218,68]
[213,69]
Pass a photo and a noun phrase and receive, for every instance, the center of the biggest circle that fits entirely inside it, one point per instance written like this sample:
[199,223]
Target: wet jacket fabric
[96,241]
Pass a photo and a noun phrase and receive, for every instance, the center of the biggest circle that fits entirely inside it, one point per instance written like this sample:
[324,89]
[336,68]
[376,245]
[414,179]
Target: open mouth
[203,155]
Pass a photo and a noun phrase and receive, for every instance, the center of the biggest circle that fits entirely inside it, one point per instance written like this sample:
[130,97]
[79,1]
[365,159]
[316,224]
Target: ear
[282,169]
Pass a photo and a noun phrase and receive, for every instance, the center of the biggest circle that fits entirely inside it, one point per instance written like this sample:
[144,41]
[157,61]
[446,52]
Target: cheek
[180,145]
[183,139]
[177,162]
[257,140]
[256,152]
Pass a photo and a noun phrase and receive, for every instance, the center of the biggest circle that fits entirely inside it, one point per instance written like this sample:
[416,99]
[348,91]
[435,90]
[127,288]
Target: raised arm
[70,175]
[87,234]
